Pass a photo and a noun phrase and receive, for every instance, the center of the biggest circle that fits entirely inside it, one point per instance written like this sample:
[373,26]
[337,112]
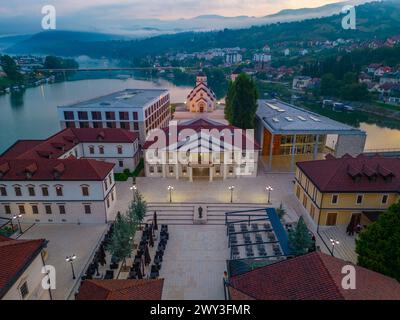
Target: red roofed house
[201,148]
[201,98]
[347,189]
[132,289]
[21,263]
[314,276]
[61,179]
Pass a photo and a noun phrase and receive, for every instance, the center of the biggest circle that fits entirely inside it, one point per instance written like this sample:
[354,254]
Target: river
[33,113]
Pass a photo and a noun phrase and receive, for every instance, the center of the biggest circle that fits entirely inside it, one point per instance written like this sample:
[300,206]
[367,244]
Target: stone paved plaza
[194,262]
[64,240]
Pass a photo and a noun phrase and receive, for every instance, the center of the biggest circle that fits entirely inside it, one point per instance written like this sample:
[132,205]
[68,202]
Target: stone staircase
[187,213]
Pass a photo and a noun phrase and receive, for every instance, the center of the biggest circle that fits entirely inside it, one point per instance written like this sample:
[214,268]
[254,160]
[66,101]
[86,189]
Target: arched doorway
[202,107]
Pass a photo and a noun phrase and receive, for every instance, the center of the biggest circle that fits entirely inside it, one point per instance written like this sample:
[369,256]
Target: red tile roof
[348,174]
[314,276]
[204,124]
[70,169]
[60,143]
[15,258]
[145,289]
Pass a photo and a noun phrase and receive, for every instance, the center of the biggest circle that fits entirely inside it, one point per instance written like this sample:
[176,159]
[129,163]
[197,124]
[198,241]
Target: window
[82,115]
[35,209]
[91,150]
[45,191]
[359,199]
[61,208]
[121,163]
[23,289]
[151,169]
[105,184]
[108,202]
[3,191]
[7,209]
[136,126]
[305,199]
[18,191]
[335,198]
[97,125]
[47,208]
[385,199]
[312,212]
[110,115]
[101,149]
[68,115]
[111,125]
[124,125]
[88,209]
[96,115]
[110,179]
[31,191]
[59,191]
[83,124]
[135,116]
[21,209]
[119,149]
[123,116]
[85,191]
[112,196]
[298,192]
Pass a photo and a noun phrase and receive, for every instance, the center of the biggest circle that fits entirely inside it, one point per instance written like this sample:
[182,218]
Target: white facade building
[261,57]
[137,110]
[22,279]
[201,98]
[203,149]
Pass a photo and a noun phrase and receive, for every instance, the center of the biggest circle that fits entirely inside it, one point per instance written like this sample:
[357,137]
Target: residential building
[392,78]
[131,289]
[288,134]
[261,57]
[137,110]
[117,146]
[313,276]
[21,263]
[201,98]
[301,82]
[233,58]
[57,190]
[337,191]
[201,148]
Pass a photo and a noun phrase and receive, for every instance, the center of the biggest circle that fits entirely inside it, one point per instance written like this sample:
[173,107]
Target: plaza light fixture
[170,189]
[133,189]
[269,189]
[71,259]
[334,243]
[17,216]
[231,188]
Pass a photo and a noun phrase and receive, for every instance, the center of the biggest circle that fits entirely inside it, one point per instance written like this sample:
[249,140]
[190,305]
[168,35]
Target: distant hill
[377,19]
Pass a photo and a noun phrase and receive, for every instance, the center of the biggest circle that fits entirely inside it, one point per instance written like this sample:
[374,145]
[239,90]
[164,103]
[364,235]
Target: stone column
[177,171]
[190,174]
[293,154]
[211,174]
[224,173]
[164,170]
[316,147]
[271,146]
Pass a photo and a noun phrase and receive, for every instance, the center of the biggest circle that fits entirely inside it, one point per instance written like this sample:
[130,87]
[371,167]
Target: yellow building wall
[346,204]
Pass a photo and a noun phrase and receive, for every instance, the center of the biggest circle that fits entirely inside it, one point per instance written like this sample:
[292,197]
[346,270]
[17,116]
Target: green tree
[329,85]
[121,240]
[11,69]
[138,208]
[228,102]
[378,246]
[300,240]
[242,102]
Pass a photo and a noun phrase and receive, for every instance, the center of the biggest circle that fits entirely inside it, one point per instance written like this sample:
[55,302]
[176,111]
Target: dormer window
[91,149]
[119,149]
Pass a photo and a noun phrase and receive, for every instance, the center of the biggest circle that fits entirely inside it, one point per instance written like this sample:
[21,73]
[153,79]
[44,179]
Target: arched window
[119,149]
[101,149]
[91,149]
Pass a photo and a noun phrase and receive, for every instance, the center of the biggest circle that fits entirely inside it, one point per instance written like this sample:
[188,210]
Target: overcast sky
[162,9]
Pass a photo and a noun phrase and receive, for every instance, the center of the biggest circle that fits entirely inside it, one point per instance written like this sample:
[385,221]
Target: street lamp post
[231,188]
[71,259]
[133,189]
[170,188]
[269,189]
[334,243]
[17,216]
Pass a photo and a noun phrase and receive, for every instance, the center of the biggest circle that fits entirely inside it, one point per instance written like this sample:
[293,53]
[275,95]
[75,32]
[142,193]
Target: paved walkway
[65,240]
[194,262]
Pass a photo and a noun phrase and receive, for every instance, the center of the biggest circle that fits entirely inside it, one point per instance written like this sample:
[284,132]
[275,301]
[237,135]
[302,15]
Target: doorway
[331,219]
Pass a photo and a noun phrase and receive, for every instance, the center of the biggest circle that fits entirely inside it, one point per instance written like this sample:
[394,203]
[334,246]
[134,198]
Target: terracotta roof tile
[145,289]
[339,174]
[314,276]
[15,257]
